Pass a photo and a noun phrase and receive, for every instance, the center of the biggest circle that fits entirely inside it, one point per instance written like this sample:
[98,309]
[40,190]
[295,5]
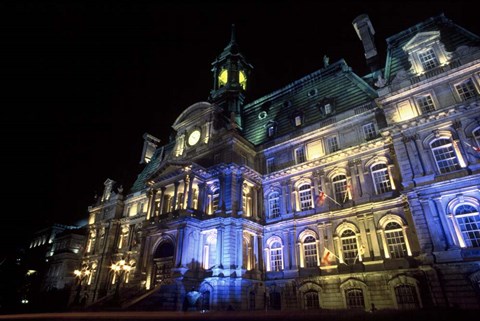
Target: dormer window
[271,127]
[428,59]
[326,106]
[466,89]
[297,118]
[425,52]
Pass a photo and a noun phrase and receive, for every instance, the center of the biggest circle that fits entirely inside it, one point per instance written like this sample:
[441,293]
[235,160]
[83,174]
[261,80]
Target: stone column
[372,232]
[151,203]
[239,198]
[179,247]
[437,204]
[175,195]
[363,235]
[386,250]
[255,253]
[190,191]
[162,196]
[220,247]
[239,255]
[293,255]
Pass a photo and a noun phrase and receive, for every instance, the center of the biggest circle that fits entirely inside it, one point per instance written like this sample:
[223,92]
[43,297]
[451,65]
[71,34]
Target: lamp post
[81,275]
[120,269]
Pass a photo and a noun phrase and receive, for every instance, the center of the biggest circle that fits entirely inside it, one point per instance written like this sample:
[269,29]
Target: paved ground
[323,315]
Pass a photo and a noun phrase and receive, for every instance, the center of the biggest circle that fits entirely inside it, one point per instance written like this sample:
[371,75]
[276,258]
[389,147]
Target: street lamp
[120,269]
[81,275]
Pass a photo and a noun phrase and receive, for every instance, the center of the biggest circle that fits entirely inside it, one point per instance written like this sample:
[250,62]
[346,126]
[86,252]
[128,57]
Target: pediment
[170,169]
[193,114]
[420,39]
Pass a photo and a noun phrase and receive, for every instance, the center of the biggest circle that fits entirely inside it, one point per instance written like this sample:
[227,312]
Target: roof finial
[232,39]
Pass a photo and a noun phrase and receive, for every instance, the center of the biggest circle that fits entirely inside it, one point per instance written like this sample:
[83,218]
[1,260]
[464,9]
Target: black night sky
[82,82]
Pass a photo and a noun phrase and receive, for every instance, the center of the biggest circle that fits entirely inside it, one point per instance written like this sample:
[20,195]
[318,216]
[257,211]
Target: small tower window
[428,59]
[223,78]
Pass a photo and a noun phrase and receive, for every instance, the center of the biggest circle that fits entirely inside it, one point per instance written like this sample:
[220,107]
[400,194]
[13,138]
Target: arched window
[311,300]
[349,246]
[444,154]
[406,296]
[210,250]
[381,179]
[395,240]
[354,298]
[310,251]
[340,188]
[274,205]
[305,196]
[276,256]
[468,220]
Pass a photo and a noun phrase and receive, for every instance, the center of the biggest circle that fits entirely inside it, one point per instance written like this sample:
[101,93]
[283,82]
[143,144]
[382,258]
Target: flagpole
[331,198]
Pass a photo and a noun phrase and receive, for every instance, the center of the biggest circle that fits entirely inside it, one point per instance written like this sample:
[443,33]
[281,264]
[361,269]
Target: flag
[320,198]
[475,149]
[327,254]
[347,191]
[361,251]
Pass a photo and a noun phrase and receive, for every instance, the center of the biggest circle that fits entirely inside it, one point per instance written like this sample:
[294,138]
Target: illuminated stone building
[337,191]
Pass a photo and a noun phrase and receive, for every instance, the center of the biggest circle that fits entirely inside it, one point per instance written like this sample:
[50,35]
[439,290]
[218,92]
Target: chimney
[150,144]
[363,27]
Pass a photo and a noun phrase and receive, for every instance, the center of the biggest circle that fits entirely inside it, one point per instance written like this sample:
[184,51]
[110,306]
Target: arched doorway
[163,262]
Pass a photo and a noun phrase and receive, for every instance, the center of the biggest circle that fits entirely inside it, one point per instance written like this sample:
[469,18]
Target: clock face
[194,137]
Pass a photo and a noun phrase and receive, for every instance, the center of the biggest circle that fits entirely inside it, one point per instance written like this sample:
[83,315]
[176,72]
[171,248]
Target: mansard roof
[451,35]
[336,82]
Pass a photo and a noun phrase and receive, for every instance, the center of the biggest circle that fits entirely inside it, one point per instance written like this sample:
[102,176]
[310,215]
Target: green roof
[336,81]
[451,35]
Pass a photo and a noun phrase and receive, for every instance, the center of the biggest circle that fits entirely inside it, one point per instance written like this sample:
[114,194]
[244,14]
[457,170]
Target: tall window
[395,240]
[311,300]
[349,246]
[466,89]
[468,220]
[310,251]
[406,296]
[369,131]
[354,298]
[305,195]
[274,205]
[215,199]
[332,144]
[276,256]
[425,103]
[300,156]
[445,156]
[428,59]
[270,165]
[381,179]
[340,188]
[298,120]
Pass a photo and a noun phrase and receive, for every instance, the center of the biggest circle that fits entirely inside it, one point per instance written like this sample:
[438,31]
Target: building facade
[336,191]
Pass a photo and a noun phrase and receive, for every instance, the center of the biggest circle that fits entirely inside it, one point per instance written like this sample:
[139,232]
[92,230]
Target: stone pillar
[239,189]
[255,210]
[221,196]
[255,253]
[162,196]
[437,233]
[363,241]
[190,191]
[316,189]
[372,232]
[437,205]
[185,257]
[175,195]
[179,247]
[386,250]
[151,203]
[353,180]
[293,252]
[220,247]
[239,254]
[291,197]
[286,250]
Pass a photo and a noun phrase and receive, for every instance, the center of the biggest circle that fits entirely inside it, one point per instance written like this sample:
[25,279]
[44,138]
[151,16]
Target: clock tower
[230,75]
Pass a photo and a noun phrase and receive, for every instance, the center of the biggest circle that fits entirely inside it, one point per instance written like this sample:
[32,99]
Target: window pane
[381,178]
[274,205]
[354,298]
[276,256]
[311,301]
[406,297]
[428,59]
[305,195]
[300,155]
[332,144]
[310,251]
[395,240]
[469,222]
[445,156]
[340,188]
[466,89]
[425,103]
[349,246]
[369,131]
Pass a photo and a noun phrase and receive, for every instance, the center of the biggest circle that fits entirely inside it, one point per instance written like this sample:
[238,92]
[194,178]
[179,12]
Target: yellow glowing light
[242,80]
[77,272]
[223,77]
[30,272]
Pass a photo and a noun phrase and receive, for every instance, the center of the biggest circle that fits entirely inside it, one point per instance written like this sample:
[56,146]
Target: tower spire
[233,38]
